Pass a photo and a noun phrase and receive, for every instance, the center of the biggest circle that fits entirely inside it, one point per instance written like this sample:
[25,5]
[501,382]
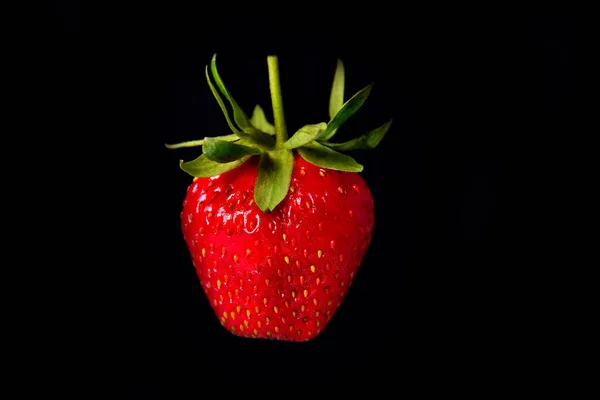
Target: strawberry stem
[278,115]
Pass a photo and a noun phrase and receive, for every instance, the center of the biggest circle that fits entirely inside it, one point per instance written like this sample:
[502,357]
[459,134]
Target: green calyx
[256,136]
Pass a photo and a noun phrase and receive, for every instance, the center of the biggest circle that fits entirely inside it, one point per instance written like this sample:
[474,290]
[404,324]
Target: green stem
[275,86]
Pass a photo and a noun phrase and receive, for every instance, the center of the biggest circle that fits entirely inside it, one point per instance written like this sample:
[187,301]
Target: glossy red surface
[279,275]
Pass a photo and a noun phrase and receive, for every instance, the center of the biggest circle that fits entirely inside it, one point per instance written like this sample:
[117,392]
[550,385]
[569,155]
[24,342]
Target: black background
[440,291]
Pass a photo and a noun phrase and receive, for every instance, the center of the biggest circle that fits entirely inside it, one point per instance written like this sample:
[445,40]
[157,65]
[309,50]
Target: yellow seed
[293,293]
[305,292]
[307,204]
[265,301]
[248,252]
[284,237]
[317,313]
[302,172]
[315,301]
[219,283]
[287,304]
[248,313]
[259,324]
[225,314]
[318,323]
[287,259]
[233,329]
[302,307]
[328,313]
[203,252]
[257,309]
[256,331]
[268,333]
[251,201]
[294,313]
[267,282]
[289,278]
[235,258]
[229,294]
[208,285]
[318,281]
[283,319]
[329,302]
[268,319]
[241,327]
[292,189]
[215,302]
[276,309]
[308,333]
[342,283]
[313,269]
[223,321]
[232,315]
[319,253]
[246,322]
[276,329]
[239,309]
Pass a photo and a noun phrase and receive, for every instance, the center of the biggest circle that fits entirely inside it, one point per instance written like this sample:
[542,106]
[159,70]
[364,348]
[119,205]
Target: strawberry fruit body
[281,274]
[277,227]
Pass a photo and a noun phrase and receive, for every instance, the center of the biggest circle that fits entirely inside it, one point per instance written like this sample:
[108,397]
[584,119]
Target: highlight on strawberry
[276,225]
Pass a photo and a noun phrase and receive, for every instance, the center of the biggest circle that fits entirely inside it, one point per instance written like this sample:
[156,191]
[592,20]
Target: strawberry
[277,227]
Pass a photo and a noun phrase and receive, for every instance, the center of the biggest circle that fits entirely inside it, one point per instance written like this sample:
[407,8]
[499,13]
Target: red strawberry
[277,228]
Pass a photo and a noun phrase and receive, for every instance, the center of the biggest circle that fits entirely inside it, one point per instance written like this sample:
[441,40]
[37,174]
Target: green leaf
[239,116]
[305,135]
[369,140]
[336,99]
[324,157]
[195,143]
[273,180]
[221,104]
[202,167]
[222,151]
[349,108]
[259,120]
